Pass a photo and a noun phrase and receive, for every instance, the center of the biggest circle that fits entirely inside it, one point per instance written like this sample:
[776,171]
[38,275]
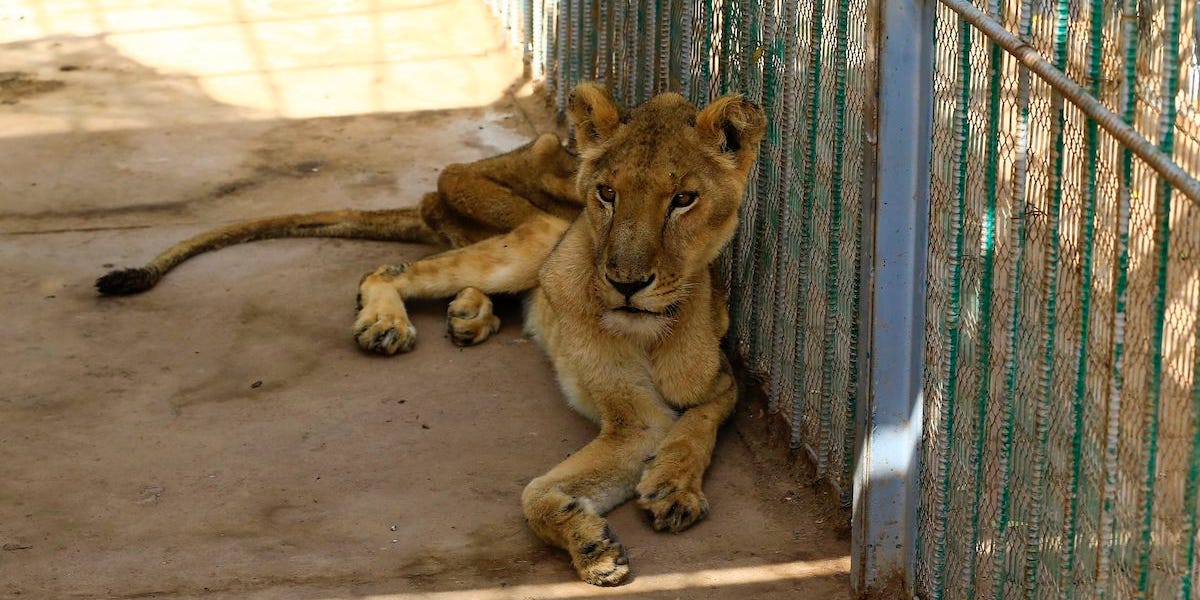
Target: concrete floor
[221,436]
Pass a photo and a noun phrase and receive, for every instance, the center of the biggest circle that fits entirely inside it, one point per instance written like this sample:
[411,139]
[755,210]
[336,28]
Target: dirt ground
[221,436]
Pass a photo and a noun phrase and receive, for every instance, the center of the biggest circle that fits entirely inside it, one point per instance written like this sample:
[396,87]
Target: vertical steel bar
[787,246]
[632,55]
[778,95]
[647,27]
[620,60]
[560,53]
[687,70]
[987,252]
[527,29]
[1067,576]
[1192,486]
[807,238]
[574,42]
[832,291]
[662,60]
[766,194]
[1046,398]
[1162,235]
[604,43]
[537,63]
[1108,535]
[889,422]
[707,30]
[1012,363]
[949,377]
[588,40]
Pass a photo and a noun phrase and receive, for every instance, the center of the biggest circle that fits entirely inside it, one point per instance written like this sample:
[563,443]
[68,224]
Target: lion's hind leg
[507,263]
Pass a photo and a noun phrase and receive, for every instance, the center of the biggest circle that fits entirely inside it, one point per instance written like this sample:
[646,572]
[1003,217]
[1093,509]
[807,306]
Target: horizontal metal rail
[1093,108]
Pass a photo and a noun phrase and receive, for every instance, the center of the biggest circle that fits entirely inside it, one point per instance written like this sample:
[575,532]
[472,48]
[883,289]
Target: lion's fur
[613,248]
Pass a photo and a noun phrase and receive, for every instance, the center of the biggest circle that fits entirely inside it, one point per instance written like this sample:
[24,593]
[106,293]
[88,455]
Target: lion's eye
[606,194]
[684,199]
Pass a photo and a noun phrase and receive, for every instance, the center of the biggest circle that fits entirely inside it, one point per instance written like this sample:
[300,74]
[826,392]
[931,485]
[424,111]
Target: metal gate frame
[895,245]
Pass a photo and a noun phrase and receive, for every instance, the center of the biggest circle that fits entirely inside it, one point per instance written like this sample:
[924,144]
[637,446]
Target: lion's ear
[733,125]
[593,114]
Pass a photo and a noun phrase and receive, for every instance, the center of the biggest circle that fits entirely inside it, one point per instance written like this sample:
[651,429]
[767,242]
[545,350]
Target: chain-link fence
[1061,403]
[1064,279]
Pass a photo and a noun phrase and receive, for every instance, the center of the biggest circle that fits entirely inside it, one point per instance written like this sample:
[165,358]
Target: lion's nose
[629,288]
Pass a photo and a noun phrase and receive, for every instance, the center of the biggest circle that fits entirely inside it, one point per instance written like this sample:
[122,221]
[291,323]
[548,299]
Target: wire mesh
[1061,324]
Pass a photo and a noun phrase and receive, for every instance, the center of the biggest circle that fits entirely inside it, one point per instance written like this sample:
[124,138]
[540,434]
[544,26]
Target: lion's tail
[402,225]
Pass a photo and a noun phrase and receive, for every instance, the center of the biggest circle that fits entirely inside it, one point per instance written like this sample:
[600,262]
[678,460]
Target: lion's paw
[469,319]
[384,334]
[602,561]
[672,507]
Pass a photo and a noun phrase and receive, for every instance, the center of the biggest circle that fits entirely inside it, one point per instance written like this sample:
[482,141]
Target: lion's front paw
[601,561]
[469,319]
[384,334]
[673,505]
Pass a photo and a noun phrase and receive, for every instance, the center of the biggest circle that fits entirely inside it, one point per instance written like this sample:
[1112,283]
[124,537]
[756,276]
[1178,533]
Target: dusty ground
[221,436]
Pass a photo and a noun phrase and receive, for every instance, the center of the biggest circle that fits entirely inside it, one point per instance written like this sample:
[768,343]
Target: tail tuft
[126,281]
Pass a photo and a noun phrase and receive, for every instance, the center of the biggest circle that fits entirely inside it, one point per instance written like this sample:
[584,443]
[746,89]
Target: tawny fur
[620,296]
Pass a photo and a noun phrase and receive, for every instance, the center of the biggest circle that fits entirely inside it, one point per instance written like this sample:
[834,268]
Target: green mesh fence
[1061,446]
[1061,455]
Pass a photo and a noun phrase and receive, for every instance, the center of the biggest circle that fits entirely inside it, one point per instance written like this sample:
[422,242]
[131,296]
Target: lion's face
[661,190]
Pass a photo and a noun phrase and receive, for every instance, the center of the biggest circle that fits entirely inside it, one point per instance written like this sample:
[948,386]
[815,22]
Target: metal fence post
[895,244]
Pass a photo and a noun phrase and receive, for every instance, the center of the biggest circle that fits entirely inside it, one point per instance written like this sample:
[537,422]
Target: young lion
[621,297]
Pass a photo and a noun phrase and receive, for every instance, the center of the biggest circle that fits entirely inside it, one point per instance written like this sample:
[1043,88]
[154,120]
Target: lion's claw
[602,562]
[385,335]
